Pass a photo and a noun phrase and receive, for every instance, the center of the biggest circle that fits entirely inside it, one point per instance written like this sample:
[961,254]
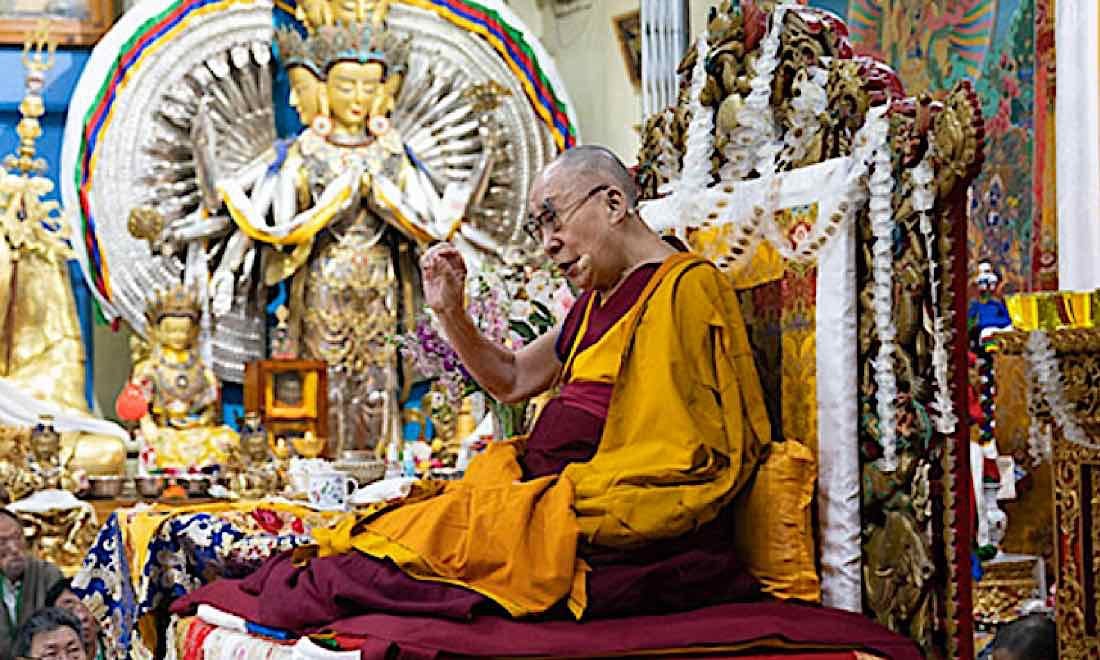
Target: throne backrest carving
[786,110]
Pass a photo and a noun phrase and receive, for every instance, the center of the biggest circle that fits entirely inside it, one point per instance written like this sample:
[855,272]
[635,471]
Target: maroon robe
[692,571]
[570,426]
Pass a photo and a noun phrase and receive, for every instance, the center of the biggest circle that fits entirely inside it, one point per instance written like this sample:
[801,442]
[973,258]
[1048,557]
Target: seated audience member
[61,595]
[24,580]
[51,633]
[1032,637]
[659,423]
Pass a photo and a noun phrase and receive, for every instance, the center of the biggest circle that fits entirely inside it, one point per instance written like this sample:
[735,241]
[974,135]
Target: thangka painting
[1007,48]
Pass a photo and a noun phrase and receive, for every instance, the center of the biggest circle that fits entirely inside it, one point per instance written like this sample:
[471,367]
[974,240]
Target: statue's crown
[361,43]
[177,301]
[295,50]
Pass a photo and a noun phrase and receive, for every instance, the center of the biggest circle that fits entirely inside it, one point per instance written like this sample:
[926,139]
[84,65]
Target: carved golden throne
[894,540]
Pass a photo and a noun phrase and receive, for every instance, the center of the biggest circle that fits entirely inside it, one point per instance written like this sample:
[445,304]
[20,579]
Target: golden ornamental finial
[29,223]
[38,57]
[39,49]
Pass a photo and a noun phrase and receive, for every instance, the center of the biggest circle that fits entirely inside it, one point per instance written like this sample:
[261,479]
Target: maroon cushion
[757,625]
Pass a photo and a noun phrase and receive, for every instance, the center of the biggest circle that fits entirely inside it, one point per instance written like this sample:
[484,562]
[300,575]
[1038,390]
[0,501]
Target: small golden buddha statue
[317,13]
[45,464]
[179,389]
[358,11]
[313,13]
[256,474]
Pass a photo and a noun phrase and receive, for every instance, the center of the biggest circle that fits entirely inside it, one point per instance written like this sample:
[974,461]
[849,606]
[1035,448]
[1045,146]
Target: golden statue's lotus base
[200,446]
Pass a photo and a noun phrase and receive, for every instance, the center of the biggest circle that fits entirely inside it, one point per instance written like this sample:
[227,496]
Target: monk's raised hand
[444,274]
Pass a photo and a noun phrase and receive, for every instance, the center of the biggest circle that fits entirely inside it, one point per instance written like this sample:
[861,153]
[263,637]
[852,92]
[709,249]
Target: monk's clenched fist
[444,274]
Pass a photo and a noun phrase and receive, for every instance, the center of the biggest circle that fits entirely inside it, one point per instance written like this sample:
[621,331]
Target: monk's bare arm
[508,376]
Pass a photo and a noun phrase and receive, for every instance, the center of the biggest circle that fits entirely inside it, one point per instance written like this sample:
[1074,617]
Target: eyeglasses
[536,226]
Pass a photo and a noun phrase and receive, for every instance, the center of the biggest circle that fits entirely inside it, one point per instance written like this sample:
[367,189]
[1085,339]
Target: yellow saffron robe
[685,428]
[687,421]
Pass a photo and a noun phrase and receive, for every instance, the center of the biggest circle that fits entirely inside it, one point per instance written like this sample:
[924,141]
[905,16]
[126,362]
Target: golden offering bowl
[1023,309]
[308,446]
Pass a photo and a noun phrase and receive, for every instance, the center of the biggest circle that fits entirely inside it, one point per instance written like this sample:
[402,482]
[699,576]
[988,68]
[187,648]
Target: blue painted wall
[60,82]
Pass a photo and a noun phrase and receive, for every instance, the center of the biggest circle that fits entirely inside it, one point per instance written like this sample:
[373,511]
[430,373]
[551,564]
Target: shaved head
[581,209]
[592,162]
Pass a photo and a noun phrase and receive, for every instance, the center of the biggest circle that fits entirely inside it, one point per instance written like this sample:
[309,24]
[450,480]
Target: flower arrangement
[515,305]
[510,304]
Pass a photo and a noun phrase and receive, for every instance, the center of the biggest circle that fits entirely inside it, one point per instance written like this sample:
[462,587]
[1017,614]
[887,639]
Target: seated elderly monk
[612,504]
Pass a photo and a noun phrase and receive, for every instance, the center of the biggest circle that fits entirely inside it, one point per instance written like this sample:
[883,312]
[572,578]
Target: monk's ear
[616,204]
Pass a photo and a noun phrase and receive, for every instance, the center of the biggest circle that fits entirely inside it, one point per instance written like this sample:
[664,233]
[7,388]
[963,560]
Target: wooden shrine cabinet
[291,397]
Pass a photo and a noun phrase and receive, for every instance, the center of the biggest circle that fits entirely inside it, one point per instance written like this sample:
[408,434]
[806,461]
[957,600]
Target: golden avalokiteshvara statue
[349,207]
[42,361]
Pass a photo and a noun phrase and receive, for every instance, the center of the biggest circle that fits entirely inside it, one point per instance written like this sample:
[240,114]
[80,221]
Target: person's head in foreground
[61,595]
[1032,637]
[13,546]
[50,634]
[582,210]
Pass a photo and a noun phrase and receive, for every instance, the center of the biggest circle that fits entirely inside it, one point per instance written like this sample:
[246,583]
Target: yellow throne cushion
[773,531]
